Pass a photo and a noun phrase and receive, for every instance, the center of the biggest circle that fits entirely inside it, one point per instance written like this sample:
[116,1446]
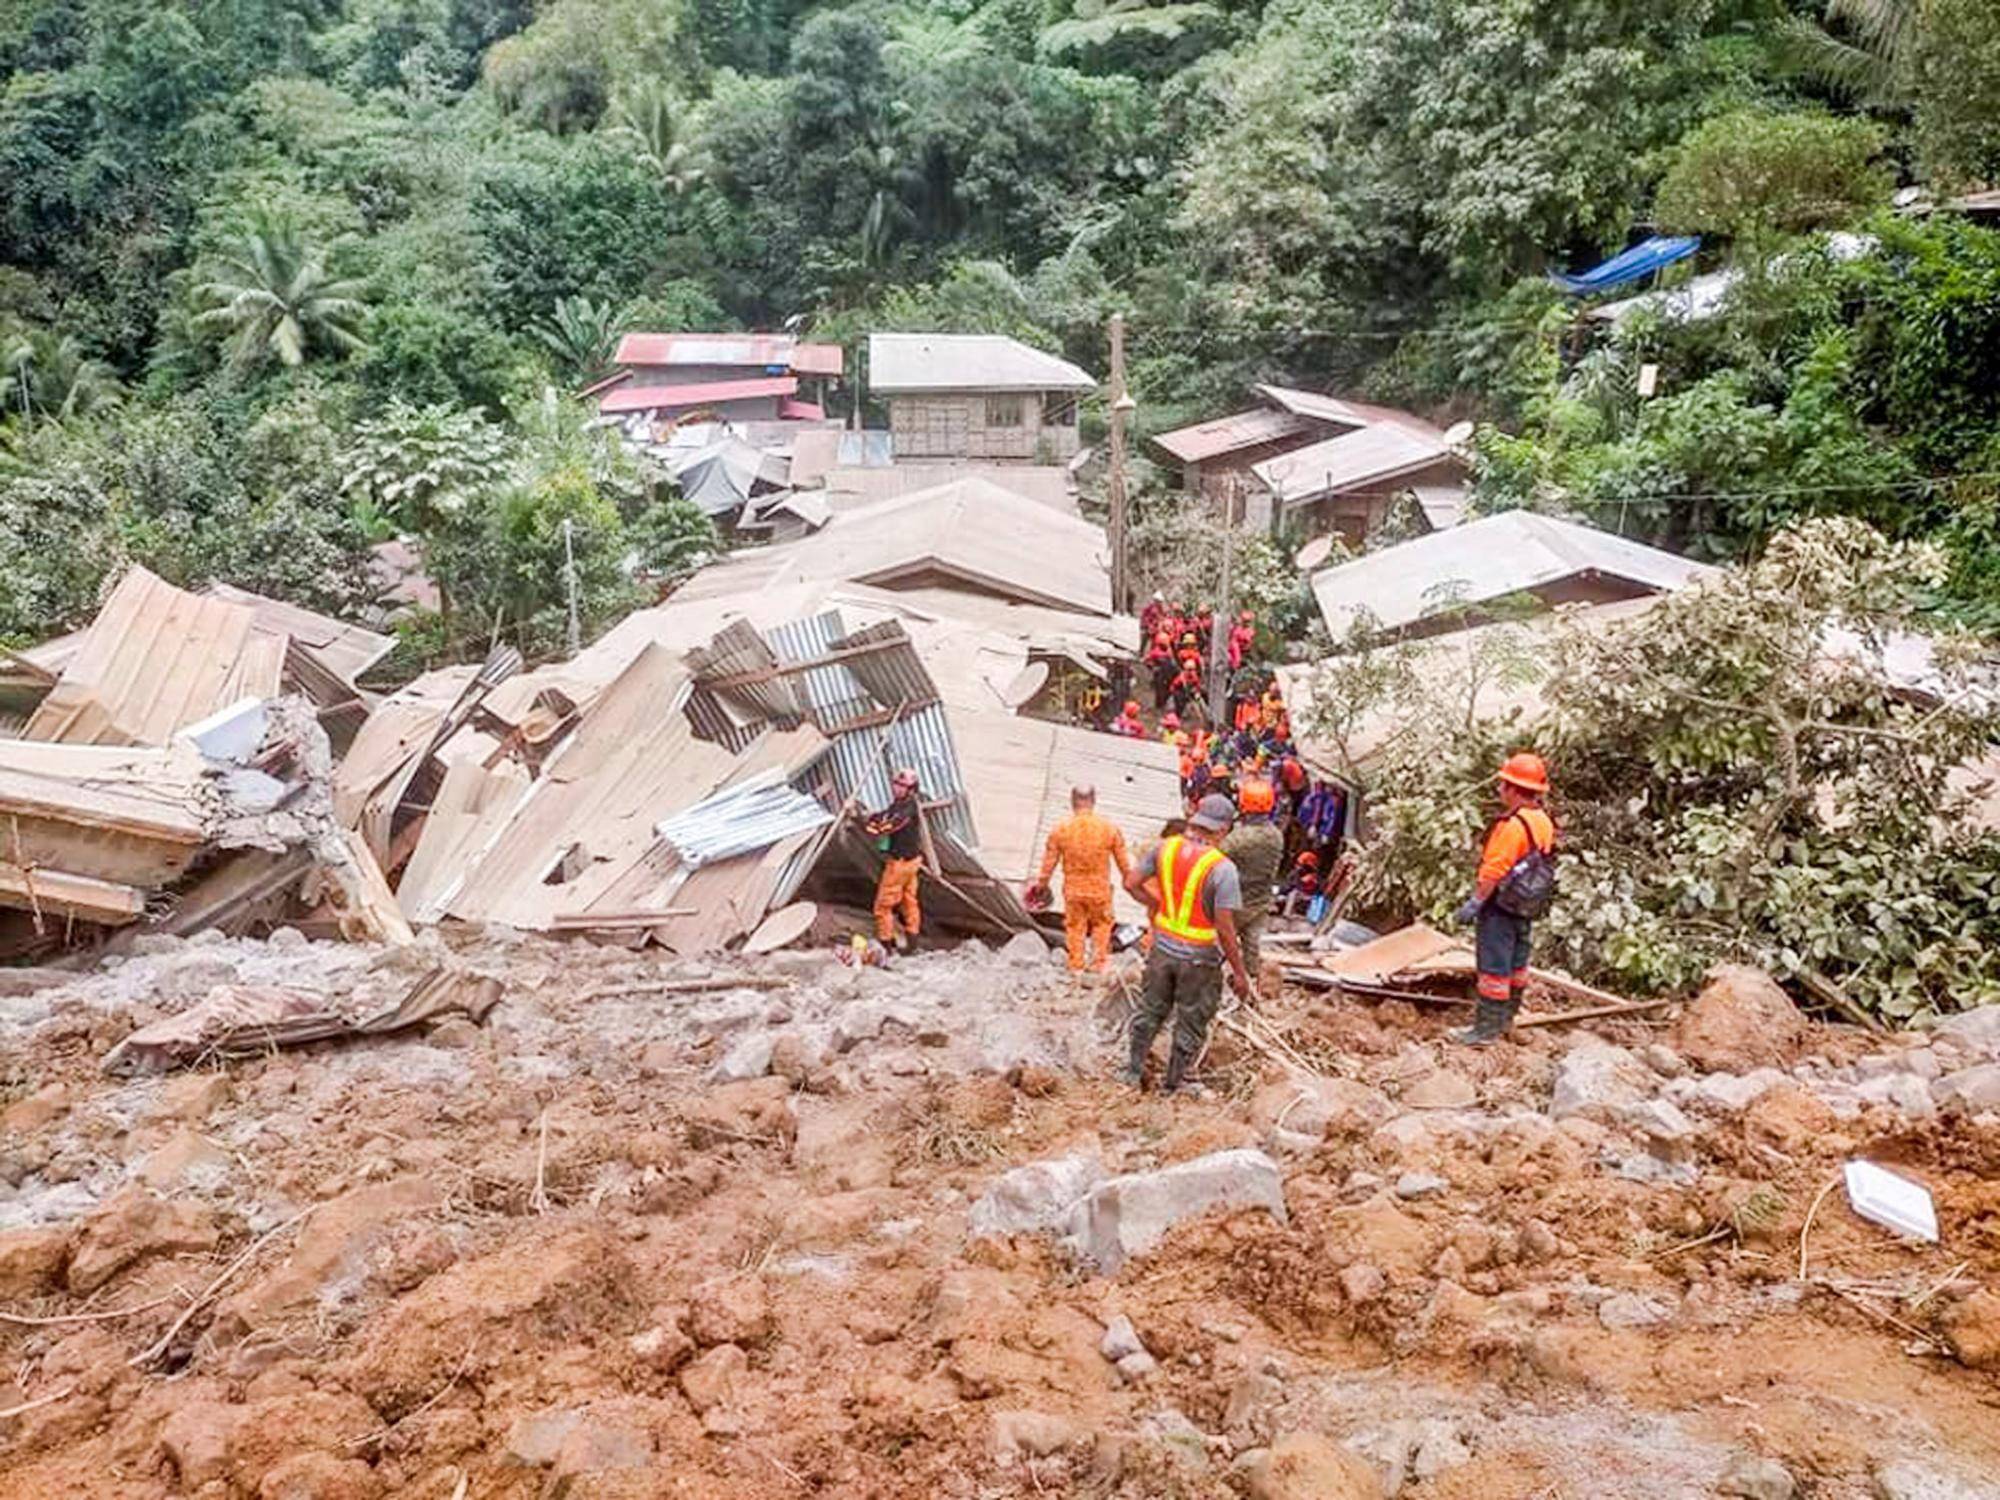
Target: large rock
[1127,1216]
[336,1248]
[136,1226]
[1599,1082]
[31,1261]
[1741,1020]
[1755,1478]
[1906,1479]
[1978,1030]
[1306,1466]
[1975,1091]
[713,1380]
[1036,1198]
[1318,1107]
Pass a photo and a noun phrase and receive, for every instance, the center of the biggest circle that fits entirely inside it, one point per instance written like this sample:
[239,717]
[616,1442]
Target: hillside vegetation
[284,277]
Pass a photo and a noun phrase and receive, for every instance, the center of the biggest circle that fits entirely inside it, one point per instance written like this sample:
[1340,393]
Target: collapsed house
[172,770]
[703,763]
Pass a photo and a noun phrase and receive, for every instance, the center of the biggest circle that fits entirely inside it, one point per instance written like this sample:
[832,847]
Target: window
[1059,411]
[1006,411]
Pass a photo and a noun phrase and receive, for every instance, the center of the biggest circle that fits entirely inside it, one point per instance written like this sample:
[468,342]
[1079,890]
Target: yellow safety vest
[1180,914]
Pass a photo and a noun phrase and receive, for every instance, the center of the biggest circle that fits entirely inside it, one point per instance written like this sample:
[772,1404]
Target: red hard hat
[1309,860]
[1132,708]
[1170,720]
[1525,771]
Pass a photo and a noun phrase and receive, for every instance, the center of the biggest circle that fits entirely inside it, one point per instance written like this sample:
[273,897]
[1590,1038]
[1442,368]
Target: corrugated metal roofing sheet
[909,363]
[349,650]
[852,487]
[1231,434]
[704,393]
[740,820]
[1367,458]
[156,658]
[753,350]
[1485,560]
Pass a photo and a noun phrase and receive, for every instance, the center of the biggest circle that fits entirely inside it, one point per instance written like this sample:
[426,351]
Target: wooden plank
[1593,1013]
[56,893]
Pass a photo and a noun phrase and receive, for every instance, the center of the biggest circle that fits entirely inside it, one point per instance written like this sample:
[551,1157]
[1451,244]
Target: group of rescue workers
[1208,887]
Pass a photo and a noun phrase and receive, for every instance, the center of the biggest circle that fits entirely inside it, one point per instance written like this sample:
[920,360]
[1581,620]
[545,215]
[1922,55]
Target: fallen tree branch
[1811,1214]
[37,1404]
[1594,1012]
[20,1320]
[165,1341]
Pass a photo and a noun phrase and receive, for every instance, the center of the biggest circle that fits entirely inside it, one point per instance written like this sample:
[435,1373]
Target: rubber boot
[1177,1066]
[1134,1073]
[1489,1024]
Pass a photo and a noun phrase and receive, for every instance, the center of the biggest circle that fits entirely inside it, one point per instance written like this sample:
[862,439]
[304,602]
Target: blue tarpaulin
[1642,259]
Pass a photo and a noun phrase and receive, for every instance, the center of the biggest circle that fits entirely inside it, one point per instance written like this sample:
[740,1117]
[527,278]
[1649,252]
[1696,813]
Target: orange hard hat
[1309,860]
[1255,796]
[1526,772]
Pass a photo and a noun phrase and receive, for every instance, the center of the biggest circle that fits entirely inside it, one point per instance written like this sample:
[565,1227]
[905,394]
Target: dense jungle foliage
[280,278]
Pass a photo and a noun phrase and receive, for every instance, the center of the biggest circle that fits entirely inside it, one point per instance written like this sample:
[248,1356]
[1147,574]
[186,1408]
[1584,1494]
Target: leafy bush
[1750,172]
[1734,778]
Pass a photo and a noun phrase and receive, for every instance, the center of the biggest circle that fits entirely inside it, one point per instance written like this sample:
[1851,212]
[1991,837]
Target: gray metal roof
[1485,560]
[911,363]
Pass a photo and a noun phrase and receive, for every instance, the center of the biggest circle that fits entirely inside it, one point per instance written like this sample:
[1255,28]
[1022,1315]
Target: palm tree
[646,116]
[581,334]
[272,295]
[48,374]
[1862,48]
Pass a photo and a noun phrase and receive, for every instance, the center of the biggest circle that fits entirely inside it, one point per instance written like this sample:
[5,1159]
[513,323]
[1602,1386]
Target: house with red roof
[735,377]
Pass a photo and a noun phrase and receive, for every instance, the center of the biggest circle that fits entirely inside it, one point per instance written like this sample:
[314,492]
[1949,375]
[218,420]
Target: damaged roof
[1484,560]
[968,534]
[156,658]
[1366,458]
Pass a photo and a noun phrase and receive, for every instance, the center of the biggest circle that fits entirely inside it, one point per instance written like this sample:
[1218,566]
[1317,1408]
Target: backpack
[1529,888]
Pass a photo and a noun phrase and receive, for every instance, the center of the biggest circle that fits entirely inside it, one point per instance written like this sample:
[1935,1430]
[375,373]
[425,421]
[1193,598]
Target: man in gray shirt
[1194,894]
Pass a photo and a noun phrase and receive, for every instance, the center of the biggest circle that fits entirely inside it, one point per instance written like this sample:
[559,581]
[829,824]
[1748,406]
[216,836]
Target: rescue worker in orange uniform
[1516,879]
[899,833]
[1193,893]
[1086,844]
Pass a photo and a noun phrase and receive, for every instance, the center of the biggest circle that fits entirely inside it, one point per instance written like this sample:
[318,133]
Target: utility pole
[1225,609]
[1121,407]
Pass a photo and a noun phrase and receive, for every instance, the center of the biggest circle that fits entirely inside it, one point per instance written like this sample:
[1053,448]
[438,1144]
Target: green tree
[49,377]
[650,118]
[272,295]
[581,334]
[1750,173]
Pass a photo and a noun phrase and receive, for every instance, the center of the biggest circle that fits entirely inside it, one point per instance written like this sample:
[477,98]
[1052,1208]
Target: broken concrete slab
[1037,1198]
[1126,1216]
[1599,1081]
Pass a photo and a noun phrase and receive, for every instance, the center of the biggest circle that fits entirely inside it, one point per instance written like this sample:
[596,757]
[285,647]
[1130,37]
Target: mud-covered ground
[722,1244]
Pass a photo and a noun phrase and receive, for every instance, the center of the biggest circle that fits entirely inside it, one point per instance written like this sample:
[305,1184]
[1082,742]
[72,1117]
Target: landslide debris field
[789,1228]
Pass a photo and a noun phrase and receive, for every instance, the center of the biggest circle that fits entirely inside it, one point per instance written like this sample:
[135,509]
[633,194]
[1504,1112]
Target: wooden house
[1329,463]
[978,396]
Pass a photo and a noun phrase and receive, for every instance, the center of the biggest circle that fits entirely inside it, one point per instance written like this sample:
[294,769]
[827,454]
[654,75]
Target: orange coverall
[1086,845]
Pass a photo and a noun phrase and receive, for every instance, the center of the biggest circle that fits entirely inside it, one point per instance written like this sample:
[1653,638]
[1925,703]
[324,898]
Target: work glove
[1469,912]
